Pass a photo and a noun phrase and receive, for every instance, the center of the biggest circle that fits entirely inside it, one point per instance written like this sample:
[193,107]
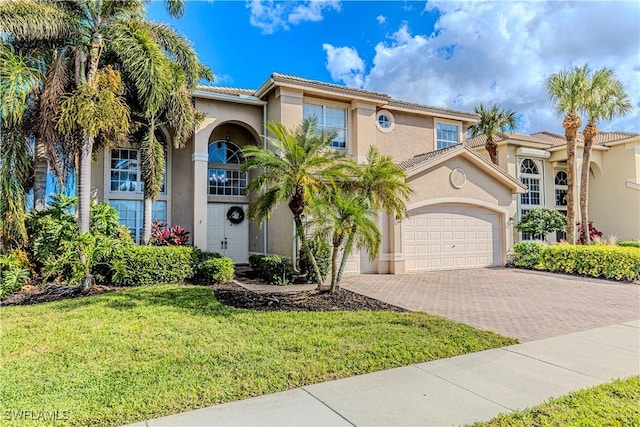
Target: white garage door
[451,236]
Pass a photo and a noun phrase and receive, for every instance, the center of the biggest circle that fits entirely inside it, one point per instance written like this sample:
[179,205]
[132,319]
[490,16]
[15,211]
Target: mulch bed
[342,300]
[53,292]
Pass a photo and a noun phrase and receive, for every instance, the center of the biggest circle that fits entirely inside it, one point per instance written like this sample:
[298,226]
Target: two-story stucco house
[460,214]
[540,161]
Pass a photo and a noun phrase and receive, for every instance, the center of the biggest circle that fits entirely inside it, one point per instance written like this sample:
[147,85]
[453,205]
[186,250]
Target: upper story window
[447,135]
[531,177]
[125,170]
[385,121]
[329,118]
[560,185]
[224,175]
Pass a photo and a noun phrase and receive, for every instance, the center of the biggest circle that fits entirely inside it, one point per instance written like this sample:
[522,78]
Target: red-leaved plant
[594,233]
[172,236]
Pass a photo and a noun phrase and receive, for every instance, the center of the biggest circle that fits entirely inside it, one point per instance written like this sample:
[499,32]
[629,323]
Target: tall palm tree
[567,90]
[606,100]
[492,119]
[85,30]
[300,168]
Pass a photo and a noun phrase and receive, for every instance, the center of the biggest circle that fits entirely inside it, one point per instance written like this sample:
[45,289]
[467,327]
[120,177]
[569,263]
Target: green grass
[613,404]
[152,351]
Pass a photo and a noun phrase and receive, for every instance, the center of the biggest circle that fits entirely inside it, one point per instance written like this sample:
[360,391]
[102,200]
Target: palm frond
[18,83]
[180,50]
[28,20]
[152,159]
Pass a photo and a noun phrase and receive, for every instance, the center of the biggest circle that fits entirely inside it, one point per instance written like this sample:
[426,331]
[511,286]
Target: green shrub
[539,222]
[198,259]
[274,269]
[609,262]
[216,270]
[321,250]
[528,254]
[150,265]
[13,274]
[629,243]
[254,261]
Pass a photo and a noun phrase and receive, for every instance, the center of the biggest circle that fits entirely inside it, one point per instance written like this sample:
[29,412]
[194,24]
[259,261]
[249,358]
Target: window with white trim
[132,213]
[125,173]
[560,191]
[224,177]
[328,118]
[124,189]
[530,174]
[447,135]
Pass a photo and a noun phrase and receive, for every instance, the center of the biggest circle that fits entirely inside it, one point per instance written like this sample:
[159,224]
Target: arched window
[529,166]
[561,188]
[224,176]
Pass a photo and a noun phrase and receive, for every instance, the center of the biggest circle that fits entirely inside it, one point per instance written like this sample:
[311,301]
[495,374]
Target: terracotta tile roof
[549,138]
[435,110]
[226,90]
[481,140]
[425,157]
[287,78]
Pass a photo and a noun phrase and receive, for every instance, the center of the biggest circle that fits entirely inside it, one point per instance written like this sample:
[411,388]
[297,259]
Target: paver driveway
[516,303]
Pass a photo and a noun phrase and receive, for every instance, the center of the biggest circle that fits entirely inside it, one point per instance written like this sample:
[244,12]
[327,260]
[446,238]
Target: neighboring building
[460,214]
[540,162]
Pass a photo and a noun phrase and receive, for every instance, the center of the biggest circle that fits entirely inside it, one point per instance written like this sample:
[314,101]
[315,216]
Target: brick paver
[516,303]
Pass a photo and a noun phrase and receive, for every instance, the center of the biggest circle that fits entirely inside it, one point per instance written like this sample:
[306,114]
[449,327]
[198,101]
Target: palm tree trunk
[492,149]
[345,255]
[305,248]
[589,134]
[84,184]
[571,124]
[41,167]
[146,228]
[334,267]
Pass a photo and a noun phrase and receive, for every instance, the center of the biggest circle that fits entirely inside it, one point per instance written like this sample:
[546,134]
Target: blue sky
[447,54]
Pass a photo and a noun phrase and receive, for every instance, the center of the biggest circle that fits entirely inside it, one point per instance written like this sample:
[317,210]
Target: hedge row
[609,262]
[150,265]
[629,243]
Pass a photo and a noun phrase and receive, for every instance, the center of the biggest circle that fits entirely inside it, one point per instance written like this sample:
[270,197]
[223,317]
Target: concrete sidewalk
[455,391]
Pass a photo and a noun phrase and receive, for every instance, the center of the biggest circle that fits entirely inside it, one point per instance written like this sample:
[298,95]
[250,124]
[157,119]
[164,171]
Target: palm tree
[347,220]
[567,90]
[300,168]
[491,121]
[19,79]
[84,31]
[379,184]
[606,99]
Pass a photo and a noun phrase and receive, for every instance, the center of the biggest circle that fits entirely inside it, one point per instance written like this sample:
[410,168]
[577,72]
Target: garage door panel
[451,236]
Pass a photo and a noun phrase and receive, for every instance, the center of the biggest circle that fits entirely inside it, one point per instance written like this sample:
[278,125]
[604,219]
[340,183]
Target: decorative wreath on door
[235,215]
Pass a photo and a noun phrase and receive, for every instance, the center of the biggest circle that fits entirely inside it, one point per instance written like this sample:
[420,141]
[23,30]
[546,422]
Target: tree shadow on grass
[196,300]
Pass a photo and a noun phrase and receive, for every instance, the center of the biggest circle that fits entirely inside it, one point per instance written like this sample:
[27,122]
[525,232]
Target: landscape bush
[321,250]
[14,273]
[150,265]
[215,270]
[161,235]
[274,269]
[528,255]
[609,262]
[629,243]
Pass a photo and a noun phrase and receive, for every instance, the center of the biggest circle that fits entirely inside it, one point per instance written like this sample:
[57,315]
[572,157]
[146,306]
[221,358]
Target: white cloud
[381,19]
[344,64]
[271,16]
[501,52]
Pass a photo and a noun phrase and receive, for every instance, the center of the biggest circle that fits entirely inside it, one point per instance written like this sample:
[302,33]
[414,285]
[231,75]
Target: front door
[226,237]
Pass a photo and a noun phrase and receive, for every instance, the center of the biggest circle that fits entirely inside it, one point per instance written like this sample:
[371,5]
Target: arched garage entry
[452,236]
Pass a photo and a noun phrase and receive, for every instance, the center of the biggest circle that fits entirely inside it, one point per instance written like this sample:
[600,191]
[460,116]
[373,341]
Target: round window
[385,121]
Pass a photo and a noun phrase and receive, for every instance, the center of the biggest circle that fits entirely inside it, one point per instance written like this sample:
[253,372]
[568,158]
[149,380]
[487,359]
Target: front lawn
[613,404]
[152,351]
